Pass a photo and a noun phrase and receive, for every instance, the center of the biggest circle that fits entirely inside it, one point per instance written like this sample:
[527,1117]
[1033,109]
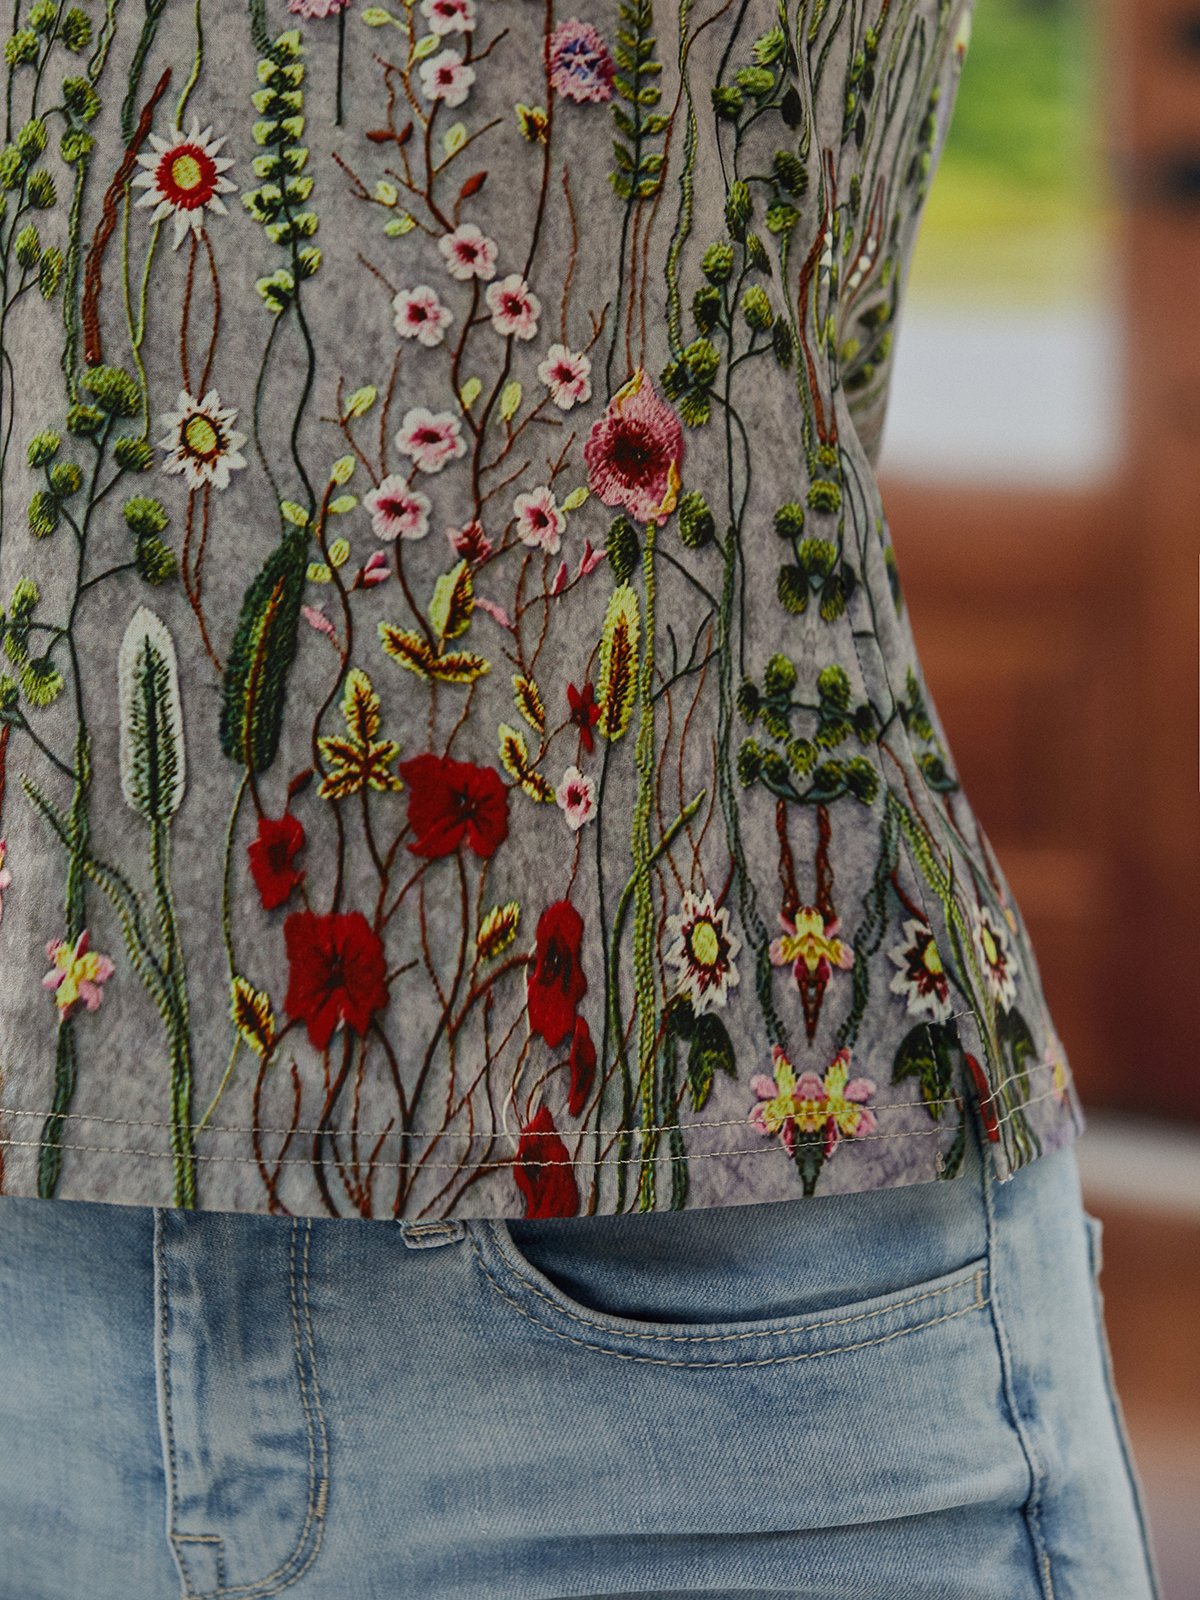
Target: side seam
[996,1281]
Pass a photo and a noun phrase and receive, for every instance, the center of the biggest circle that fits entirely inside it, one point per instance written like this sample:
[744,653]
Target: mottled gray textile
[462,747]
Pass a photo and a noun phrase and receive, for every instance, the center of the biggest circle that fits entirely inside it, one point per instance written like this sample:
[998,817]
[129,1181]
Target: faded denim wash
[888,1393]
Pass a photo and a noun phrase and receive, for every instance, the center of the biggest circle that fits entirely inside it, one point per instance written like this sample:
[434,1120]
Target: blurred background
[1041,467]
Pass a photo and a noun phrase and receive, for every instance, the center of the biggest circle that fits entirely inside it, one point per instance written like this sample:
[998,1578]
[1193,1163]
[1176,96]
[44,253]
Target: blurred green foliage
[1018,207]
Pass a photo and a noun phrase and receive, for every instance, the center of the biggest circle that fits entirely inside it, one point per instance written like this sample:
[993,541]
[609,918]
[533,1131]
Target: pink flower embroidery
[468,253]
[447,77]
[581,68]
[316,10]
[430,439]
[514,307]
[567,376]
[374,572]
[398,512]
[834,1106]
[633,452]
[76,974]
[539,521]
[449,16]
[5,876]
[576,796]
[419,314]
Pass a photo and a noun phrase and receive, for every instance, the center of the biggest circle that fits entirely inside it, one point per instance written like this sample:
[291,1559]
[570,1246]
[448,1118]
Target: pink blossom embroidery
[468,253]
[316,10]
[449,16]
[447,77]
[514,307]
[419,314]
[539,521]
[430,439]
[576,796]
[567,376]
[634,451]
[398,512]
[581,68]
[5,876]
[76,974]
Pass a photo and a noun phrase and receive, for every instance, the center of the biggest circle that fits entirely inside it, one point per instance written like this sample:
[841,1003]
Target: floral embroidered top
[462,747]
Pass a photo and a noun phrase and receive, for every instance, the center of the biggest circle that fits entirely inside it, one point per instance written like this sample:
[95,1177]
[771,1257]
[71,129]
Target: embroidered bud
[696,527]
[717,263]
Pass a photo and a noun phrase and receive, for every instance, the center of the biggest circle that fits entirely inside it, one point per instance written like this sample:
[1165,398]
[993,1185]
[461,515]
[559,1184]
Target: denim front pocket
[724,1342]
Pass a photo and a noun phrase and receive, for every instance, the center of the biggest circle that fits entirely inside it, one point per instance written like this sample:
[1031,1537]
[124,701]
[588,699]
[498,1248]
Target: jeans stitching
[978,1302]
[1032,1506]
[312,1531]
[518,1266]
[1115,1409]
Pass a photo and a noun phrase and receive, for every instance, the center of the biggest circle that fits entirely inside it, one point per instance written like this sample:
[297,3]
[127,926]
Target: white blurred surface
[1016,396]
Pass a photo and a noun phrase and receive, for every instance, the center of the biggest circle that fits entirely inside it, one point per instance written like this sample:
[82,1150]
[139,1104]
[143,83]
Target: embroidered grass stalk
[644,926]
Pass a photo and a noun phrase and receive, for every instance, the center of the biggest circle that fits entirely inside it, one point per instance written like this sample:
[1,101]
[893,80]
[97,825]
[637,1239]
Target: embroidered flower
[419,314]
[397,512]
[76,974]
[581,68]
[449,16]
[468,253]
[374,571]
[585,713]
[470,542]
[5,876]
[317,10]
[449,801]
[634,450]
[447,77]
[184,176]
[567,376]
[576,795]
[201,441]
[337,972]
[273,859]
[582,1063]
[1000,965]
[775,1112]
[540,523]
[702,950]
[514,307]
[833,1106]
[921,977]
[555,983]
[810,946]
[430,439]
[542,1169]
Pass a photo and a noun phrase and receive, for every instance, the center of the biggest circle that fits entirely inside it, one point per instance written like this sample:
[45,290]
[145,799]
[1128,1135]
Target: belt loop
[425,1235]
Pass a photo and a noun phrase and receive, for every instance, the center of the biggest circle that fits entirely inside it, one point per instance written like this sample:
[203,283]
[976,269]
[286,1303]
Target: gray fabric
[664,181]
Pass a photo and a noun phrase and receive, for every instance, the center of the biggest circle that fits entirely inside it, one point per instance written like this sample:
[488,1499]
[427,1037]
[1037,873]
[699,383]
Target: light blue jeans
[901,1393]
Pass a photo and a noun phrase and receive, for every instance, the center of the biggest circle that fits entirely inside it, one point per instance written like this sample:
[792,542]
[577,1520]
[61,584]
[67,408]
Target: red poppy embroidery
[449,801]
[585,713]
[336,972]
[273,859]
[555,984]
[543,1170]
[583,1066]
[984,1089]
